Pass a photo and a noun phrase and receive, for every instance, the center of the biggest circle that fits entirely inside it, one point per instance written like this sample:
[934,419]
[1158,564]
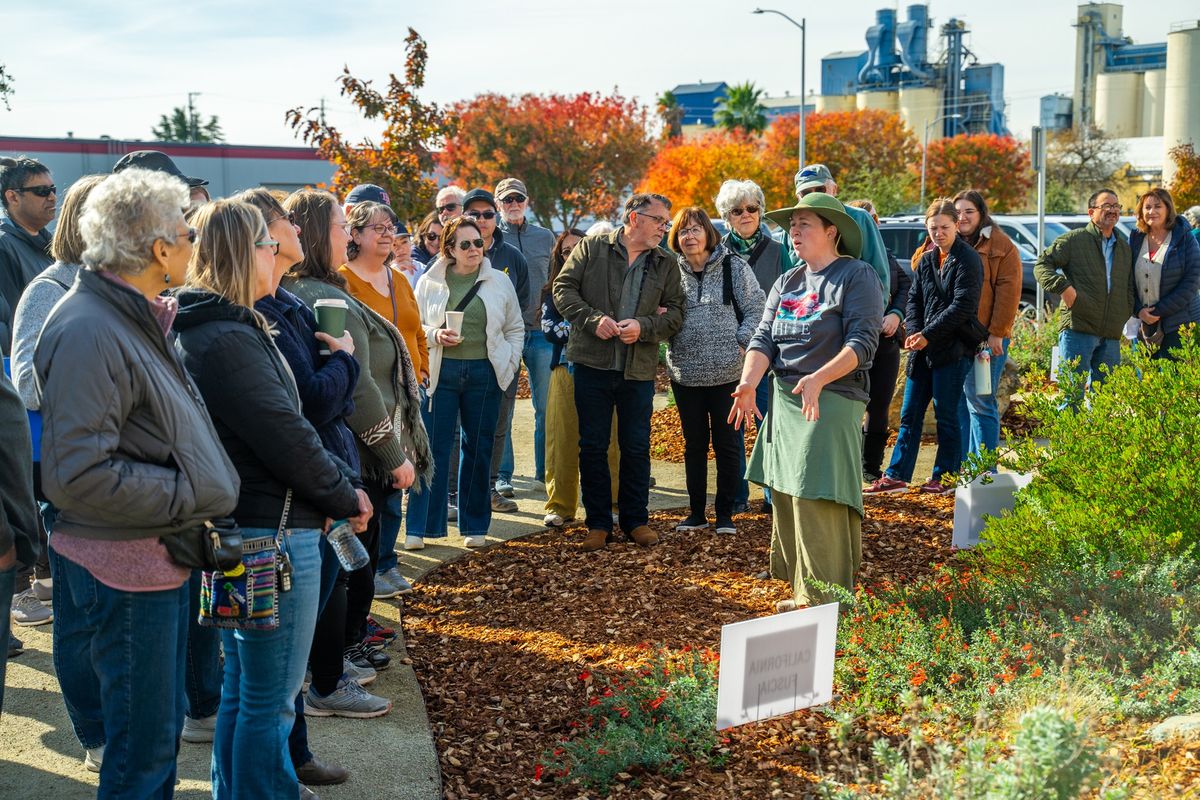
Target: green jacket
[589,287]
[1077,259]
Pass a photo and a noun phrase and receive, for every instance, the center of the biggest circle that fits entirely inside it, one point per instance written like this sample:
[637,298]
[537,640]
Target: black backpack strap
[728,296]
[469,296]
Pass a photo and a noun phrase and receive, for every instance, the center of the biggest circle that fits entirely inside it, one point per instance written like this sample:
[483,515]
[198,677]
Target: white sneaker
[93,758]
[475,541]
[553,521]
[199,730]
[414,543]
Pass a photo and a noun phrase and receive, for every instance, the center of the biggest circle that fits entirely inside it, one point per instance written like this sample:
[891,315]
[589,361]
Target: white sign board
[776,665]
[978,500]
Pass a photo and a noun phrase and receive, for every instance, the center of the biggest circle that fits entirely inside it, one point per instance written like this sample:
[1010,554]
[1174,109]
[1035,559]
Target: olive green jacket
[1077,259]
[588,288]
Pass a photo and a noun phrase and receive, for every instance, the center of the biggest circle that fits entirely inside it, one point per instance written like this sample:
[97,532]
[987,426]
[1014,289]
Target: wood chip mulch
[499,639]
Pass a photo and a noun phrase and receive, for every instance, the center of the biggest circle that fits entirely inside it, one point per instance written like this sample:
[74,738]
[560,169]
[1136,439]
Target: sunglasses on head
[513,198]
[481,214]
[39,191]
[467,244]
[448,207]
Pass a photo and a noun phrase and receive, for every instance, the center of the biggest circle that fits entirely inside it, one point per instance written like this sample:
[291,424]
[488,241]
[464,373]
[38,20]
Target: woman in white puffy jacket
[475,333]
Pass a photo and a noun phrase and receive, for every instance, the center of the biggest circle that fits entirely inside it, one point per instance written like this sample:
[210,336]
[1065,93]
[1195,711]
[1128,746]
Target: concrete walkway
[390,757]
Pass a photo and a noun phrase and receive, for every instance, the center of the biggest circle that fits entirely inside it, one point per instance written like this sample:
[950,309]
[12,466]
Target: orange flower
[918,678]
[954,678]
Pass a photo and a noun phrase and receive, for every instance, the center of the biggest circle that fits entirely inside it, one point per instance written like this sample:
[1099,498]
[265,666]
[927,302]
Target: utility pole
[322,116]
[191,120]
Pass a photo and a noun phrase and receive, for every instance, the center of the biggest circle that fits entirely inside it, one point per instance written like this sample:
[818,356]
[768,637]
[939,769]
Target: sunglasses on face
[737,212]
[448,207]
[191,235]
[432,237]
[467,244]
[481,214]
[379,228]
[513,198]
[39,191]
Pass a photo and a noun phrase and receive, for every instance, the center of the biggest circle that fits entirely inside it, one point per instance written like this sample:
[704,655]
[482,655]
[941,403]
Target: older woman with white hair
[130,461]
[742,204]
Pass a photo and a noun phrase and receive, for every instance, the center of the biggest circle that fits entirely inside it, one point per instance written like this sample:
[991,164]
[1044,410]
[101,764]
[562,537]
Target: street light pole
[803,67]
[925,151]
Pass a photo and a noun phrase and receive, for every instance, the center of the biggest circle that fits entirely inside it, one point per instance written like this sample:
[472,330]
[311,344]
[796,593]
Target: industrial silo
[883,100]
[1181,96]
[834,102]
[1154,84]
[1118,103]
[919,106]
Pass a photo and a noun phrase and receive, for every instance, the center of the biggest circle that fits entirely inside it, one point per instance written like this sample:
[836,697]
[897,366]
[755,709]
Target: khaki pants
[814,539]
[562,447]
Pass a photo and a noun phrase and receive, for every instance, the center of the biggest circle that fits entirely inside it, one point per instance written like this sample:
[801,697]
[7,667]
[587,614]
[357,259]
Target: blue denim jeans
[943,385]
[390,517]
[978,414]
[203,677]
[761,393]
[120,658]
[597,393]
[8,579]
[298,739]
[263,673]
[537,355]
[1091,351]
[466,390]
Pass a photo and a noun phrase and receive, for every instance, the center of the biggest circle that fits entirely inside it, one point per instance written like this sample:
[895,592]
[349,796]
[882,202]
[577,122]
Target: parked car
[903,236]
[1072,221]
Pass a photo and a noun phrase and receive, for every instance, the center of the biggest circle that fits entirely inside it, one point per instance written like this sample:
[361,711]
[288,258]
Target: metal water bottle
[983,371]
[347,546]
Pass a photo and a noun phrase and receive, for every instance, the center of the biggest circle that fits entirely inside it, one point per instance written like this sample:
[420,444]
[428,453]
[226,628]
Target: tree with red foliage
[690,171]
[998,166]
[576,154]
[402,163]
[1185,185]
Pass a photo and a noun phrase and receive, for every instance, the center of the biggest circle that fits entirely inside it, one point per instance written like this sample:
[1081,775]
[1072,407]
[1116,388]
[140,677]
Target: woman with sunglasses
[386,421]
[475,332]
[429,236]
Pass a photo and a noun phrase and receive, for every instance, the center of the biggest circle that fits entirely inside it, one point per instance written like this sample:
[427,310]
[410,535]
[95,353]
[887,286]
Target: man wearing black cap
[161,162]
[480,205]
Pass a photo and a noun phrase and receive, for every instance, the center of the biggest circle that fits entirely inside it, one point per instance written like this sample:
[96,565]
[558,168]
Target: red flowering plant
[656,716]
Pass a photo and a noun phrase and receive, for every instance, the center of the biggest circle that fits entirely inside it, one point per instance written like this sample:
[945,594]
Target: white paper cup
[454,321]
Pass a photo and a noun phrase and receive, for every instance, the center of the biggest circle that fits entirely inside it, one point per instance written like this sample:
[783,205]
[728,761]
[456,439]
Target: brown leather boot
[643,535]
[596,539]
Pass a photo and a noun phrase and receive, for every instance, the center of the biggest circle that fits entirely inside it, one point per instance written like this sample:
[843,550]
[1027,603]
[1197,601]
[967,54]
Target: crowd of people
[173,372]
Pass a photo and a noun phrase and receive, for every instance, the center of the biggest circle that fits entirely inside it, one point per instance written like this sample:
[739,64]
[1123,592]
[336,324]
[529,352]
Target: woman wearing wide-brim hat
[817,336]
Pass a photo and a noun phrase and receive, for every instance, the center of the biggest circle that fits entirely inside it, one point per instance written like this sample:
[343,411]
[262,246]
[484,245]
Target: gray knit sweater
[39,297]
[707,350]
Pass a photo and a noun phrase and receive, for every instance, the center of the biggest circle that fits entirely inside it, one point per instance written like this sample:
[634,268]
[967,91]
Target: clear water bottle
[983,371]
[347,546]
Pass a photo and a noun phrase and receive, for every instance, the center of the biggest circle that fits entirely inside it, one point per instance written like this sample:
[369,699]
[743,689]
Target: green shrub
[1032,342]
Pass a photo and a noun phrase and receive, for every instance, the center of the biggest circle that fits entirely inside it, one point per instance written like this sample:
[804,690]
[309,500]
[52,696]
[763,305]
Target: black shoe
[767,508]
[360,656]
[741,508]
[725,525]
[694,522]
[15,646]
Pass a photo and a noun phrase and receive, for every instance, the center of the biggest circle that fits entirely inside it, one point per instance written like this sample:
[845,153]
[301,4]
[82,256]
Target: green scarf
[743,247]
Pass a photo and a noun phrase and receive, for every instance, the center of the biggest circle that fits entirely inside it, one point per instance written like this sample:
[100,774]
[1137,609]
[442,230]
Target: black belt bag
[215,545]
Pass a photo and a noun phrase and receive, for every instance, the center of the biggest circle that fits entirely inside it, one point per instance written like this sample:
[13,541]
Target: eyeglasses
[191,235]
[432,237]
[449,207]
[289,216]
[39,191]
[737,212]
[513,198]
[481,214]
[661,222]
[467,244]
[818,189]
[1108,207]
[379,228]
[691,232]
[271,243]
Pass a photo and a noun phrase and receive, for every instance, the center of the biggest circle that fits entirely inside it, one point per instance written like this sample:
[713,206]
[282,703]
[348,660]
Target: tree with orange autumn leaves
[996,165]
[576,154]
[1185,185]
[690,171]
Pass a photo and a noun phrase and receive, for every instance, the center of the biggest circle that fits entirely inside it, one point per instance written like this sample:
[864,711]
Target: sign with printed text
[776,665]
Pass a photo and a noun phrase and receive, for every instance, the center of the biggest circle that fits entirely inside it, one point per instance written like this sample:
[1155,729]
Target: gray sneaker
[401,583]
[28,610]
[502,504]
[505,488]
[43,589]
[360,675]
[384,589]
[348,700]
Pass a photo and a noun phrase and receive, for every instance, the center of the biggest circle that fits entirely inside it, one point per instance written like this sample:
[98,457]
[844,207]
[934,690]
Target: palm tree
[671,114]
[742,108]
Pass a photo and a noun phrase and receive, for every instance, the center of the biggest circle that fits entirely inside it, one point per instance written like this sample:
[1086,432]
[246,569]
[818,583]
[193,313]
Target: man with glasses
[449,202]
[622,294]
[29,197]
[536,244]
[1092,268]
[480,205]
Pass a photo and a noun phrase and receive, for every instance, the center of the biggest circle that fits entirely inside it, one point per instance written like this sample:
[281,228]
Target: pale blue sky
[112,68]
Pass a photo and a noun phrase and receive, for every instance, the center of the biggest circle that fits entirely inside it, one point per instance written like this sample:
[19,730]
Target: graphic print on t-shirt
[795,315]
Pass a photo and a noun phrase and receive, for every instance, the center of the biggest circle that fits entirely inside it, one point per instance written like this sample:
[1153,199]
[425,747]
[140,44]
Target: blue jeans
[203,677]
[8,579]
[537,355]
[390,517]
[298,739]
[597,393]
[120,657]
[761,394]
[263,673]
[943,385]
[1091,351]
[466,389]
[978,414]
